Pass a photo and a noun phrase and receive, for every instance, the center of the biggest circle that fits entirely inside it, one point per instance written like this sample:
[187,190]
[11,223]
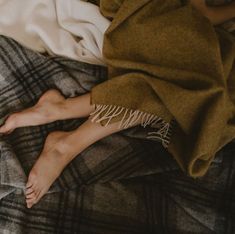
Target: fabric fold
[167,59]
[71,28]
[12,176]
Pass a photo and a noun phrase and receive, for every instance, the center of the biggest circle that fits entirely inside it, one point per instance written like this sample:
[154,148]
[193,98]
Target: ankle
[60,112]
[67,109]
[53,112]
[70,145]
[60,143]
[77,107]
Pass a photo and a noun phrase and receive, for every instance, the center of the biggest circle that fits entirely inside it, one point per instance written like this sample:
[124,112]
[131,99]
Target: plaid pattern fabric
[122,184]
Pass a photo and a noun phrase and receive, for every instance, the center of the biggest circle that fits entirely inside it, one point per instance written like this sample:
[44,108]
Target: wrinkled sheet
[71,28]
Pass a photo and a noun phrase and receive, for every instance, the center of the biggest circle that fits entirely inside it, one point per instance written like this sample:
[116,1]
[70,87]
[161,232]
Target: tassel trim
[131,118]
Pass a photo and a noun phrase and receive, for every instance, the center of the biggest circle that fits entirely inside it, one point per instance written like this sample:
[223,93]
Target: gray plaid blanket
[123,184]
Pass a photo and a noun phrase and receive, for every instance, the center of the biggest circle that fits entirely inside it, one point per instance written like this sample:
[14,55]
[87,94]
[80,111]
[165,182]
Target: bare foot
[53,159]
[48,109]
[60,148]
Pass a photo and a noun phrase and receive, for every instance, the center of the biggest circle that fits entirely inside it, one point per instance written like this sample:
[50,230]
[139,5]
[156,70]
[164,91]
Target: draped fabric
[71,28]
[167,61]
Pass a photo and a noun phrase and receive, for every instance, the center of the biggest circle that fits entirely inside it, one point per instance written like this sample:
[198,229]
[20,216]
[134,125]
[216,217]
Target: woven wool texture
[165,58]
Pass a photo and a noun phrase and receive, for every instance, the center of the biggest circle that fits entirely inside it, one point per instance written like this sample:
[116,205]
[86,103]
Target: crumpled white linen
[70,28]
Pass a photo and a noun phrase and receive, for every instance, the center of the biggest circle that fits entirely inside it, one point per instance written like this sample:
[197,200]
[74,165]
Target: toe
[32,180]
[33,198]
[34,194]
[39,196]
[29,191]
[29,185]
[29,204]
[5,129]
[30,196]
[31,201]
[8,127]
[10,123]
[9,132]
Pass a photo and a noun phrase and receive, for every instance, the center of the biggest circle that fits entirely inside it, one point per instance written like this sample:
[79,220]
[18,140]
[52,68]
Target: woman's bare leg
[60,149]
[51,106]
[216,15]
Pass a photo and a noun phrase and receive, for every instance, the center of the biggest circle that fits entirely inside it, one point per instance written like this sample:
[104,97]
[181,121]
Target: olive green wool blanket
[168,64]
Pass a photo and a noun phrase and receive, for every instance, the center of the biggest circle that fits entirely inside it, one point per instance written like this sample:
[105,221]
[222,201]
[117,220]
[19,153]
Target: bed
[122,184]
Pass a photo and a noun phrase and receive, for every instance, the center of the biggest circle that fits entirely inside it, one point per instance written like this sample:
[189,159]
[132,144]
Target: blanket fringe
[131,118]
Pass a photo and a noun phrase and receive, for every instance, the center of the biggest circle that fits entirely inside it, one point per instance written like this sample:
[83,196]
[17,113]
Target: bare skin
[51,106]
[62,147]
[216,15]
[57,153]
